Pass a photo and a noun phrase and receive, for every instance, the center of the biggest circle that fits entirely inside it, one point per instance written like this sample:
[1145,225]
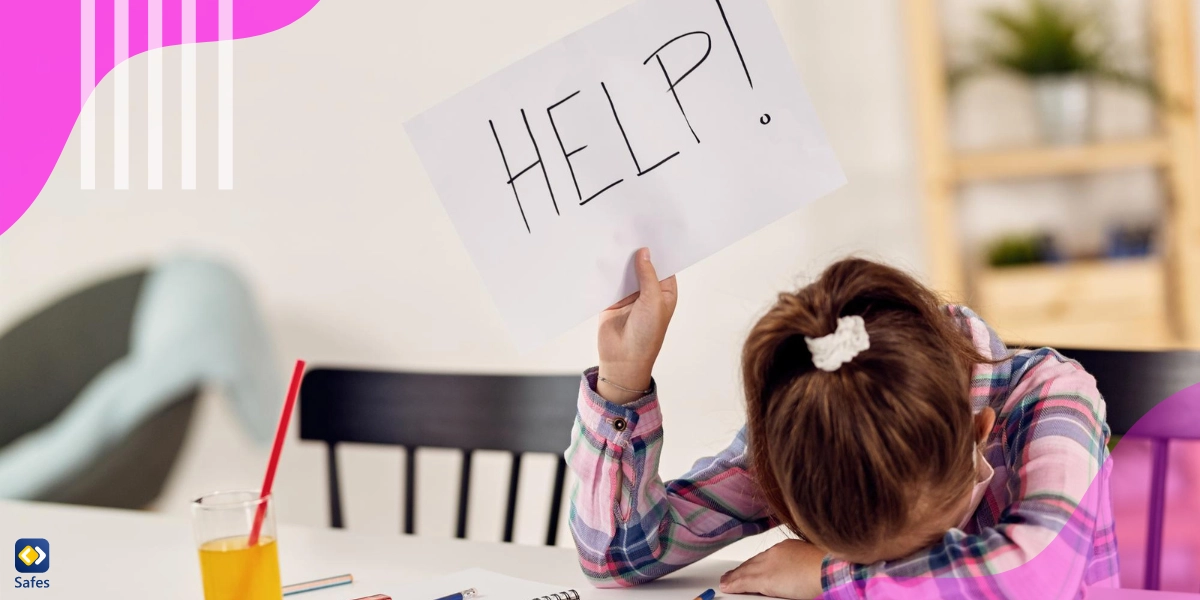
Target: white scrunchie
[832,351]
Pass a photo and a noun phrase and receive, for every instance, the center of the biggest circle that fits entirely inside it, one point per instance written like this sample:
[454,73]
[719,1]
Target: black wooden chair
[1132,383]
[510,413]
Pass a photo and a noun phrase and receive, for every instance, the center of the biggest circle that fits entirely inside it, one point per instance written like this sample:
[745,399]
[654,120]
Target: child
[898,439]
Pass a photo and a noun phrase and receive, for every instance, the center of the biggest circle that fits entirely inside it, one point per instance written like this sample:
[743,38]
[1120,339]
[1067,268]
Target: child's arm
[630,527]
[1055,538]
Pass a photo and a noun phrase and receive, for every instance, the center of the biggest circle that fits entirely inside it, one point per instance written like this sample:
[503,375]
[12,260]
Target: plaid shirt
[1047,448]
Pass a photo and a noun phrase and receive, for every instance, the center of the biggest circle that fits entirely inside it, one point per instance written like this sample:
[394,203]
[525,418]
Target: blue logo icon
[32,555]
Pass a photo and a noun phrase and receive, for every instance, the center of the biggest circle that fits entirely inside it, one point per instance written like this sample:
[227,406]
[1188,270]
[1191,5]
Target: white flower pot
[1064,108]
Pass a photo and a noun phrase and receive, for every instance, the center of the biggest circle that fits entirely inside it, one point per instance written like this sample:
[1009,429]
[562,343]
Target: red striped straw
[276,450]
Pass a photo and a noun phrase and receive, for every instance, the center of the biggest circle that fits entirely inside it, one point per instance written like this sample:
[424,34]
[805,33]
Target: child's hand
[632,332]
[789,569]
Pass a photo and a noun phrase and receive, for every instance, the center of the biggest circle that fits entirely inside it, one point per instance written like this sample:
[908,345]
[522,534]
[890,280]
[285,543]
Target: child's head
[874,460]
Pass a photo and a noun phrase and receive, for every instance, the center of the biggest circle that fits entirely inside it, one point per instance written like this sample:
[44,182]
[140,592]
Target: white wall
[355,262]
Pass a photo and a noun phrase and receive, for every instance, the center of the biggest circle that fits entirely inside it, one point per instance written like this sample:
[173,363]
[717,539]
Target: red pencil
[280,434]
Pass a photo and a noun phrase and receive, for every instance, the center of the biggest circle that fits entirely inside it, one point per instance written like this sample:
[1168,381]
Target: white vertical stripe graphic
[188,93]
[120,94]
[87,81]
[154,90]
[225,95]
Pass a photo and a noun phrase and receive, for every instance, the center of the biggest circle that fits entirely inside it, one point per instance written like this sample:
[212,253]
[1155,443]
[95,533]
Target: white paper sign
[680,125]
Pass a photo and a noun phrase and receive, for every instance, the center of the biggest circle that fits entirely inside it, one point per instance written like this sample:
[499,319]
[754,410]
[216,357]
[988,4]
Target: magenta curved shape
[39,74]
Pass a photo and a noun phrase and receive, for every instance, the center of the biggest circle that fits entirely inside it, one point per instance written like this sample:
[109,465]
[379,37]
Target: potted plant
[1062,50]
[1022,249]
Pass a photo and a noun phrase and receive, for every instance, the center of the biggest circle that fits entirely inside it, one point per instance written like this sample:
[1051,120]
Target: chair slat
[510,510]
[560,478]
[1158,505]
[464,493]
[410,490]
[335,496]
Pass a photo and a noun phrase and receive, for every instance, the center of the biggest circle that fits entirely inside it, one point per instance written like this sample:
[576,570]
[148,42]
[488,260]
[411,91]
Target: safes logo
[32,556]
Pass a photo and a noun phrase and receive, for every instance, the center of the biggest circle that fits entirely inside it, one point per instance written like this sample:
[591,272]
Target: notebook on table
[491,586]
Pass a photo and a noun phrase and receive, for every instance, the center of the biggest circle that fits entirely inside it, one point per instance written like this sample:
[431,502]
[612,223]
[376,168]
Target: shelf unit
[1144,303]
[1067,160]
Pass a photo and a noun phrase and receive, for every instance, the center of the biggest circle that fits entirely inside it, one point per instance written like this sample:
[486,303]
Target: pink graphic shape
[40,74]
[1055,571]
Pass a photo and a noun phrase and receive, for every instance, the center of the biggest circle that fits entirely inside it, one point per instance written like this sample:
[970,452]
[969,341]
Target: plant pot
[1064,108]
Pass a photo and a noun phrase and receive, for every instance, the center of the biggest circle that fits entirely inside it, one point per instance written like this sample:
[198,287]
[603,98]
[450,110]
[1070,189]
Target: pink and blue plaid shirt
[1047,448]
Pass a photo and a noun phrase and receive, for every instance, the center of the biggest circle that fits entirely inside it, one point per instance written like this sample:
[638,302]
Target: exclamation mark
[736,46]
[766,118]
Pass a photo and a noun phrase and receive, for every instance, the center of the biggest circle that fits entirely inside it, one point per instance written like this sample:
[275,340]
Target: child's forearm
[630,526]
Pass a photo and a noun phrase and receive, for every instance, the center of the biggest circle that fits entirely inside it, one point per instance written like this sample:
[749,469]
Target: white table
[102,554]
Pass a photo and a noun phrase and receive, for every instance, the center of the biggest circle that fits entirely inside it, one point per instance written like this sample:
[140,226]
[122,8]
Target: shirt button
[619,424]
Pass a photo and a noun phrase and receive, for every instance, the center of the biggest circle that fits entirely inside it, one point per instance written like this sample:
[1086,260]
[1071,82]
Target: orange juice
[232,570]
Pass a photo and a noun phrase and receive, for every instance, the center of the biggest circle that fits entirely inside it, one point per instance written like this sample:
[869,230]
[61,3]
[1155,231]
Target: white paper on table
[489,585]
[742,148]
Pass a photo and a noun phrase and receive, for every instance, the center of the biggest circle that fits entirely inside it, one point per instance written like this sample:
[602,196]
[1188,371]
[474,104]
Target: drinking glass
[230,568]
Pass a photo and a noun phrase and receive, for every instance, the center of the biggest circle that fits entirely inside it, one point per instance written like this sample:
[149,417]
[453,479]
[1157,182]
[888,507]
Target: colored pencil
[463,595]
[317,584]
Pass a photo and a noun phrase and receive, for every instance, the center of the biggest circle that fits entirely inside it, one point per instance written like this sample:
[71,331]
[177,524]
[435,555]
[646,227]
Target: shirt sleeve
[1042,543]
[629,526]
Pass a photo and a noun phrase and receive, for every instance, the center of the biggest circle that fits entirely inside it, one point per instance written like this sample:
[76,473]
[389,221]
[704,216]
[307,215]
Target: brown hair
[846,457]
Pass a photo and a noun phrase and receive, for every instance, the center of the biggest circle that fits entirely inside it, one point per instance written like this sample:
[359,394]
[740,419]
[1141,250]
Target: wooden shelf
[1067,160]
[1145,303]
[1086,303]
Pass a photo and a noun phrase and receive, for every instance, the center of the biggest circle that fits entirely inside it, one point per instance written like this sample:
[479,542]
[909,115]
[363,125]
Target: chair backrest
[1133,383]
[132,472]
[50,356]
[511,413]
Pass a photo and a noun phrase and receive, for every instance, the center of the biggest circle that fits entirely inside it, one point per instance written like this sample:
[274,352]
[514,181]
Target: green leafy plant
[1013,250]
[1046,38]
